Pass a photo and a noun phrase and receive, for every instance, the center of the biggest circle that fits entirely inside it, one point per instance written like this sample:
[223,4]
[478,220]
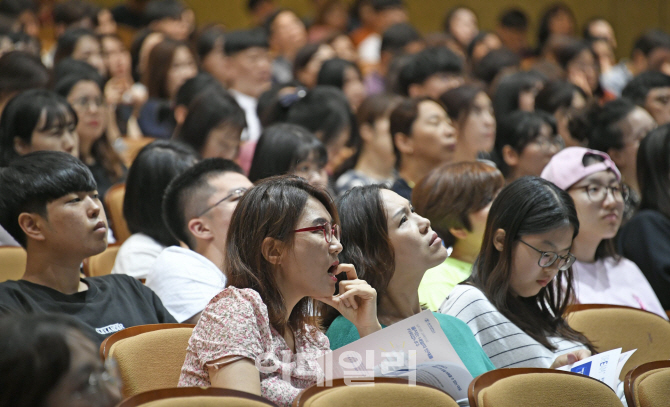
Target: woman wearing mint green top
[393,247]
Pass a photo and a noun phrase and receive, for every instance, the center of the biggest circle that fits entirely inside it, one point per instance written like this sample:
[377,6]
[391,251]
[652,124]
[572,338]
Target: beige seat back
[548,388]
[151,360]
[627,328]
[114,205]
[195,397]
[648,385]
[12,263]
[101,264]
[384,393]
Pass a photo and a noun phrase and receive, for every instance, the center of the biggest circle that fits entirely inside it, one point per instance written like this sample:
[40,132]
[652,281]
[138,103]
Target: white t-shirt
[620,283]
[136,256]
[185,281]
[249,105]
[504,343]
[370,49]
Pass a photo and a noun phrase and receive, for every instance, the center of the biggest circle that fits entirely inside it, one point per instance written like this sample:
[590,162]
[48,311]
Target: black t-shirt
[110,304]
[645,240]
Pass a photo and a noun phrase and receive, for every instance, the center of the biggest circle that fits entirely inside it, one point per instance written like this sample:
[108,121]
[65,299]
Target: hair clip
[289,99]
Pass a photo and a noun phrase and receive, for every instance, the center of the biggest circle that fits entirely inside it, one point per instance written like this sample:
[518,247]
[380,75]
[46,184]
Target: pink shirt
[619,283]
[236,323]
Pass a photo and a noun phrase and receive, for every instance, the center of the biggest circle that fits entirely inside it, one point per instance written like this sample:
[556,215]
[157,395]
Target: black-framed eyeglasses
[328,231]
[236,193]
[598,193]
[547,259]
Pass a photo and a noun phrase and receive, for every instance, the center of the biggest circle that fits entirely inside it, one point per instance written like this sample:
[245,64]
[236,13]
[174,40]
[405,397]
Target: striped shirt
[504,343]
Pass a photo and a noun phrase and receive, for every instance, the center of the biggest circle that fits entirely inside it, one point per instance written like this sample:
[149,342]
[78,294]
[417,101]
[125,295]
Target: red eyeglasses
[328,231]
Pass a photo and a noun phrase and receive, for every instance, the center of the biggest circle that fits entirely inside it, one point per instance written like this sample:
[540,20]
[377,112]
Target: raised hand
[357,301]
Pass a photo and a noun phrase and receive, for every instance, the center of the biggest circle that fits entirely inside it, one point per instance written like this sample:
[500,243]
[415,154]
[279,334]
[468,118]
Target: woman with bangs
[290,149]
[522,281]
[37,120]
[281,256]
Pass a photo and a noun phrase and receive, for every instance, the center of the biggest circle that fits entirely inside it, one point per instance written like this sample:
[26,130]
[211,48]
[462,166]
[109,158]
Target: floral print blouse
[235,323]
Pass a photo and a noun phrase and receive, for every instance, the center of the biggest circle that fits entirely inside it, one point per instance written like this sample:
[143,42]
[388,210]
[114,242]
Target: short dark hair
[192,87]
[332,72]
[34,356]
[241,40]
[65,84]
[324,111]
[304,55]
[21,71]
[557,94]
[452,191]
[517,130]
[72,11]
[162,9]
[207,40]
[154,167]
[185,188]
[15,7]
[208,110]
[68,42]
[397,36]
[44,176]
[283,146]
[22,115]
[402,119]
[458,102]
[651,40]
[543,32]
[601,125]
[381,5]
[637,89]
[514,18]
[506,97]
[426,63]
[72,68]
[488,68]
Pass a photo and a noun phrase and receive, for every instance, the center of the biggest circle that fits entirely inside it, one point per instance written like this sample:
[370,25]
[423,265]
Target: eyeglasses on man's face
[233,196]
[547,259]
[328,231]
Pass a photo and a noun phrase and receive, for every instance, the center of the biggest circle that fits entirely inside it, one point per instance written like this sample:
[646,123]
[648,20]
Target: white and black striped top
[504,343]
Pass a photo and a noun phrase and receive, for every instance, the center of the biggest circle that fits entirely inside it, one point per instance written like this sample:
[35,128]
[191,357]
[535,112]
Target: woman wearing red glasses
[264,328]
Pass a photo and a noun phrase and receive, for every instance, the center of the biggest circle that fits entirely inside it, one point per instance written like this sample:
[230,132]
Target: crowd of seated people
[300,184]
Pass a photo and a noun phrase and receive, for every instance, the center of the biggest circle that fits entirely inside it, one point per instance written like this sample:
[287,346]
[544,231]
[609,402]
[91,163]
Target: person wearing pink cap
[601,275]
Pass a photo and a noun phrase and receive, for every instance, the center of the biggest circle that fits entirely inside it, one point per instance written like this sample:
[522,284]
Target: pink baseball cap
[566,168]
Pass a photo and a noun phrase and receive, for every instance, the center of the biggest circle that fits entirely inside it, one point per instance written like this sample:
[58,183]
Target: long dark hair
[101,150]
[529,205]
[282,147]
[271,209]
[365,240]
[156,165]
[653,169]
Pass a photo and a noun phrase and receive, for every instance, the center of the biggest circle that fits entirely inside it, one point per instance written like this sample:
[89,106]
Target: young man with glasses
[197,208]
[601,275]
